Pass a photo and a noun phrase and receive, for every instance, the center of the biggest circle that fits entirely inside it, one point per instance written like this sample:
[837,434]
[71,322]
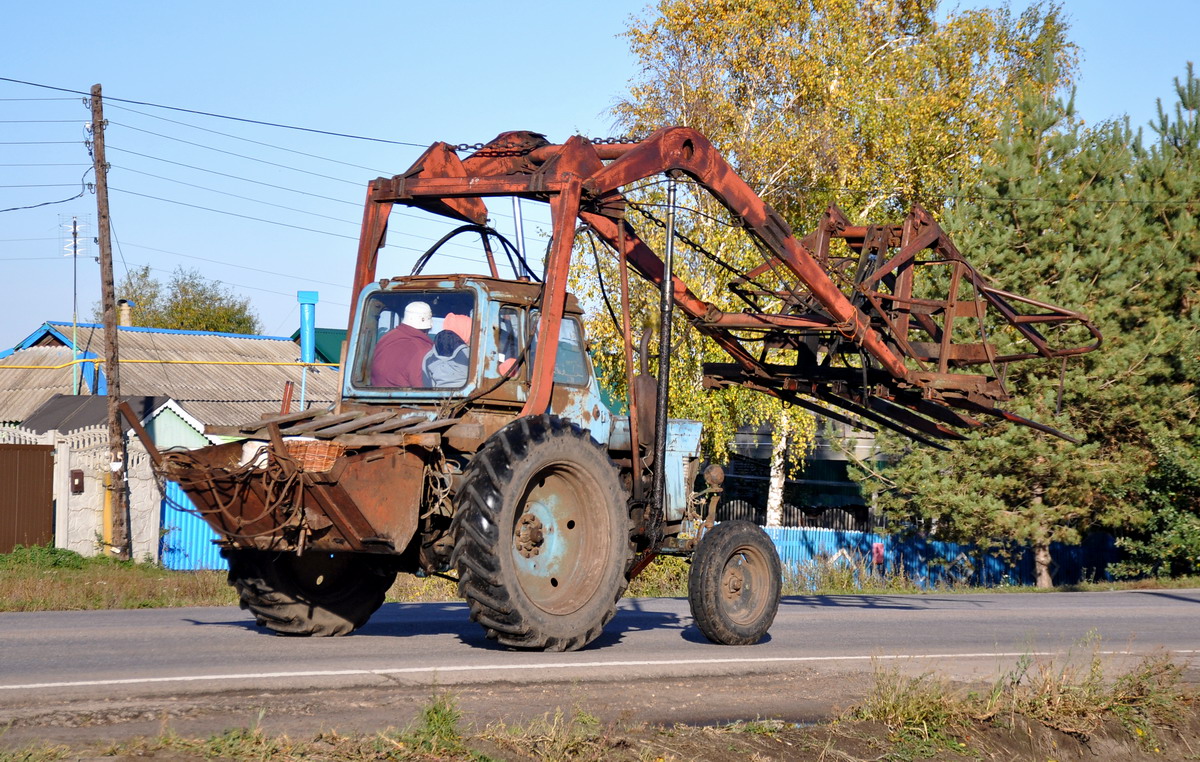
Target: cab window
[415,340]
[570,367]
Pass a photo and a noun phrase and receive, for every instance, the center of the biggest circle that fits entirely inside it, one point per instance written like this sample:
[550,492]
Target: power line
[235,195]
[238,155]
[242,267]
[273,222]
[234,177]
[233,214]
[248,140]
[238,285]
[219,116]
[425,218]
[357,205]
[82,190]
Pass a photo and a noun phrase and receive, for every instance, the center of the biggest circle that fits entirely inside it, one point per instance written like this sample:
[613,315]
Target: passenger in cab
[447,363]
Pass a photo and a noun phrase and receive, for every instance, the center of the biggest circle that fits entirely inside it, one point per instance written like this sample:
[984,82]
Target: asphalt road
[815,649]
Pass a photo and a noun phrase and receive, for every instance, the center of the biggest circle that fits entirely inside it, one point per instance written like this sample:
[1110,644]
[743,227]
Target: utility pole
[116,435]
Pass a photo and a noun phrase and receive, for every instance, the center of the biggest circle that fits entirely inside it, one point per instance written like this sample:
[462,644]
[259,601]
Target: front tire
[542,536]
[735,583]
[319,594]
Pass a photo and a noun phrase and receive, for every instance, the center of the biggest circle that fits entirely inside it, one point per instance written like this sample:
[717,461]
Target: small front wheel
[735,583]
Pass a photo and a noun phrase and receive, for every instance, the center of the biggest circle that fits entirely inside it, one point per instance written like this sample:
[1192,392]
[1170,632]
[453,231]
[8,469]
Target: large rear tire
[542,536]
[318,594]
[735,583]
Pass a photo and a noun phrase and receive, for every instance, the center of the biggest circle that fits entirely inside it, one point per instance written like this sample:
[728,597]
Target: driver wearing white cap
[397,360]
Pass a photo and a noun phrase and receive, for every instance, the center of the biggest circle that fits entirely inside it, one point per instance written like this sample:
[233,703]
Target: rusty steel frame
[915,387]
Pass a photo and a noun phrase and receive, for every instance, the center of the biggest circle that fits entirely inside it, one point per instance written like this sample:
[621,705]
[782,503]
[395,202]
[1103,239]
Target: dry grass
[903,718]
[412,589]
[927,713]
[52,579]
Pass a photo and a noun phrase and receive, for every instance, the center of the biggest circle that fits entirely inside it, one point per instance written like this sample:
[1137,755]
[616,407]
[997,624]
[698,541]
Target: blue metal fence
[186,543]
[930,562]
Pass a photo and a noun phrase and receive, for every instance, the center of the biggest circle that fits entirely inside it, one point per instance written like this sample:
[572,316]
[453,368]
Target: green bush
[41,557]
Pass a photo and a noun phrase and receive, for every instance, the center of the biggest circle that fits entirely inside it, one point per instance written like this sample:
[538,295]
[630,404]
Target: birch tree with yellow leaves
[870,104]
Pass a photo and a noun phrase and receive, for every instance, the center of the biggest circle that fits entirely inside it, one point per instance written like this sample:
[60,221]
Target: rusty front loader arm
[863,340]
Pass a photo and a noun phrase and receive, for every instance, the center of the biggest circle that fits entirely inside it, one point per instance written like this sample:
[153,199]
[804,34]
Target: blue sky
[401,71]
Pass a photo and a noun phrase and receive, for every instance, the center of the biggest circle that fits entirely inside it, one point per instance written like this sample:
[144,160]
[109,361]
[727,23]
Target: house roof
[30,377]
[329,343]
[221,379]
[68,412]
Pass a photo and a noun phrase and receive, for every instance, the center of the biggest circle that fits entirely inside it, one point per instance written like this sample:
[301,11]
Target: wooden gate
[26,495]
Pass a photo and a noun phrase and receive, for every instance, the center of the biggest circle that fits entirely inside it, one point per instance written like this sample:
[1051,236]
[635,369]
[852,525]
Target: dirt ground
[789,716]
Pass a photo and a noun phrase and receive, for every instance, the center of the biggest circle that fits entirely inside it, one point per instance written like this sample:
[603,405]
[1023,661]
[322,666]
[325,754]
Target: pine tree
[1051,219]
[1168,407]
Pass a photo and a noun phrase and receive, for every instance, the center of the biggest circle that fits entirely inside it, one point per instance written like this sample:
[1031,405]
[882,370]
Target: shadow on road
[895,602]
[1165,594]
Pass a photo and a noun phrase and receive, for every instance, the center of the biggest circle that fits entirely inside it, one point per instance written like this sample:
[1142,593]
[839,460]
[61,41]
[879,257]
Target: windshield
[416,340]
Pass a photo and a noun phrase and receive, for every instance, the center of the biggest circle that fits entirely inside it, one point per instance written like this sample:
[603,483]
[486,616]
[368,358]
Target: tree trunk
[1041,564]
[778,473]
[1041,546]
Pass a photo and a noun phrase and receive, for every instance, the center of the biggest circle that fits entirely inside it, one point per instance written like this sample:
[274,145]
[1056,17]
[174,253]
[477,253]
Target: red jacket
[398,355]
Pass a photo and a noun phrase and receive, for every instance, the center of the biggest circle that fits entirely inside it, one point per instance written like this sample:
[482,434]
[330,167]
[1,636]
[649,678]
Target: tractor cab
[429,339]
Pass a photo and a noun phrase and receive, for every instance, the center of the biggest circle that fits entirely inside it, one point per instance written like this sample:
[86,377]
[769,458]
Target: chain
[688,241]
[618,140]
[710,256]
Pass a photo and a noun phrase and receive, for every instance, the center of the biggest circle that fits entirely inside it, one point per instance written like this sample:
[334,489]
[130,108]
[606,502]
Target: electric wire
[82,190]
[233,195]
[232,214]
[248,140]
[854,191]
[438,219]
[232,153]
[232,177]
[281,224]
[240,267]
[107,98]
[239,285]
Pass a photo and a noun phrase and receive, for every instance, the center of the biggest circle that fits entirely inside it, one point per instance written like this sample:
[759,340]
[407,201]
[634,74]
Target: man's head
[418,315]
[460,324]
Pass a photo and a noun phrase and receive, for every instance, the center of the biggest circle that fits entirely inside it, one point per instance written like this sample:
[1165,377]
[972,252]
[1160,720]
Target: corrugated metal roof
[66,412]
[187,369]
[22,391]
